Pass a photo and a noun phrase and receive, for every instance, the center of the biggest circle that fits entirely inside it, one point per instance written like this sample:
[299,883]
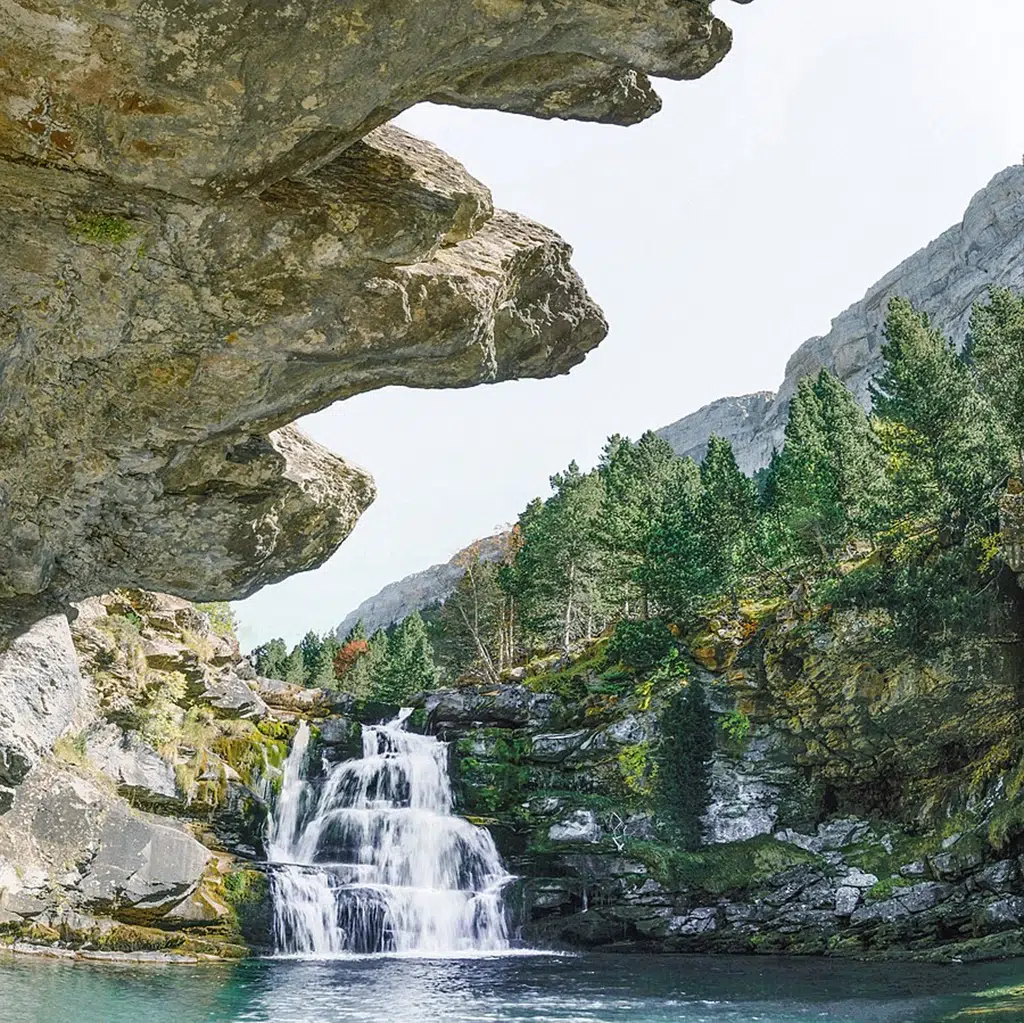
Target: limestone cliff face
[944,279]
[396,601]
[209,231]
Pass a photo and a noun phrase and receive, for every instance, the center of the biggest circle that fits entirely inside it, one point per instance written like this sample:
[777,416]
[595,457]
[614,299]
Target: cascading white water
[372,859]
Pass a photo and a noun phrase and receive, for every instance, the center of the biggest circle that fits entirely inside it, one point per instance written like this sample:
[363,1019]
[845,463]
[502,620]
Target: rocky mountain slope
[396,601]
[944,279]
[210,230]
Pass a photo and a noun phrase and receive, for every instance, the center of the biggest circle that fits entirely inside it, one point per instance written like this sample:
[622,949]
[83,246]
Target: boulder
[41,687]
[229,696]
[847,900]
[504,706]
[125,863]
[579,826]
[285,696]
[141,869]
[140,773]
[553,747]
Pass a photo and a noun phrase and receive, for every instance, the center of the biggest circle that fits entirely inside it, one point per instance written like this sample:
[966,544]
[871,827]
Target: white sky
[837,138]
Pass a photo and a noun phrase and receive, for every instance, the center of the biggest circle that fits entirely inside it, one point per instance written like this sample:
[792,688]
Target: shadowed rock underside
[210,231]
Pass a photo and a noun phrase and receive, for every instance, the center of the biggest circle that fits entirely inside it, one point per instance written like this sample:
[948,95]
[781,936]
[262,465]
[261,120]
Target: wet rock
[745,793]
[554,747]
[703,920]
[1004,913]
[999,876]
[506,706]
[954,864]
[580,826]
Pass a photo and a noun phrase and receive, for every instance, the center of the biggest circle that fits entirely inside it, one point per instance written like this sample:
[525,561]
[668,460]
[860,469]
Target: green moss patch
[101,228]
[717,869]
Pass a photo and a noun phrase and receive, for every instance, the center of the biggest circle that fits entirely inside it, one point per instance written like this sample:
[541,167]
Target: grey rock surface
[41,687]
[579,826]
[210,230]
[508,706]
[944,279]
[138,770]
[124,863]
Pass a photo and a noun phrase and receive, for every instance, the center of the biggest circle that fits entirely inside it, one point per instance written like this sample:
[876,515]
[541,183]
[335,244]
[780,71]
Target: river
[523,989]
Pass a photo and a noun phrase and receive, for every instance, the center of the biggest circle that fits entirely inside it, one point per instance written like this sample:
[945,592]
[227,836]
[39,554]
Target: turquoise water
[545,989]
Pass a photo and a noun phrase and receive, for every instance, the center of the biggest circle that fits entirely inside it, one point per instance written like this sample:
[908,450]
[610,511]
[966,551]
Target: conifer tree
[270,659]
[637,478]
[997,348]
[322,676]
[558,569]
[295,668]
[684,765]
[310,646]
[944,452]
[828,481]
[728,515]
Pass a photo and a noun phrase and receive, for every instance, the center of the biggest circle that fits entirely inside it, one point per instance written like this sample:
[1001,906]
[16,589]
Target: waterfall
[371,858]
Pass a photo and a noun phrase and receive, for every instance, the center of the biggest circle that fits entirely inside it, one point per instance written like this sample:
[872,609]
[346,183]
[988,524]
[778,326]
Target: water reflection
[587,989]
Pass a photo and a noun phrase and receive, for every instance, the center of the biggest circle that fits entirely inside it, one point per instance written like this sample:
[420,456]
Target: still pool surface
[546,989]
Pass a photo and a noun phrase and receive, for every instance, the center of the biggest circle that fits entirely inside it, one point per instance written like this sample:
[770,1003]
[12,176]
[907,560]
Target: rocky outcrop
[944,279]
[199,101]
[41,688]
[146,763]
[66,833]
[210,231]
[420,590]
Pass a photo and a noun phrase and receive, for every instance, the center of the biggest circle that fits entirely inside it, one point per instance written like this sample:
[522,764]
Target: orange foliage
[347,656]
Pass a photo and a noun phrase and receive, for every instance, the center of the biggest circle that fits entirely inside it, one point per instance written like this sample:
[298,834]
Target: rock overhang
[211,232]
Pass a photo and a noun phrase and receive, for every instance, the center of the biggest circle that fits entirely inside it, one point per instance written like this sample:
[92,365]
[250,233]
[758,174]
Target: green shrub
[640,644]
[736,728]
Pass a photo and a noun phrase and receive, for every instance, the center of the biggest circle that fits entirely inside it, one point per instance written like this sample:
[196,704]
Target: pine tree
[322,676]
[270,659]
[827,483]
[637,478]
[728,515]
[683,785]
[557,573]
[678,571]
[295,668]
[997,349]
[310,646]
[944,452]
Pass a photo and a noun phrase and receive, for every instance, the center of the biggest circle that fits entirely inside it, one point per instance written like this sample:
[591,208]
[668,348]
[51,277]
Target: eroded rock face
[209,232]
[41,686]
[155,351]
[201,98]
[944,279]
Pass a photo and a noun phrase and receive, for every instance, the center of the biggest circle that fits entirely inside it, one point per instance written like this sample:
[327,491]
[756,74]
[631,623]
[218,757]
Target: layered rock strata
[210,231]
